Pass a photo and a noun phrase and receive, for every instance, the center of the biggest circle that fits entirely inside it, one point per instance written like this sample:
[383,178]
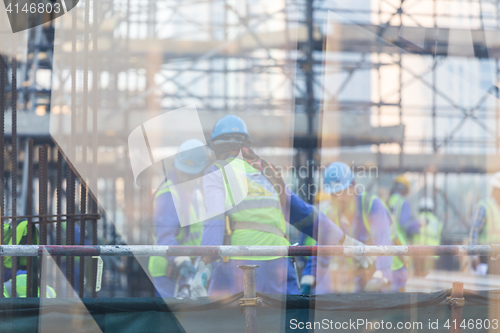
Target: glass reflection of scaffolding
[414,85]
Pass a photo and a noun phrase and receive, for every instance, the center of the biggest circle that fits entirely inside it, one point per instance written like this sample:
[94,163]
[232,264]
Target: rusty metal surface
[59,179]
[14,168]
[249,294]
[70,229]
[457,296]
[42,208]
[29,210]
[83,209]
[3,78]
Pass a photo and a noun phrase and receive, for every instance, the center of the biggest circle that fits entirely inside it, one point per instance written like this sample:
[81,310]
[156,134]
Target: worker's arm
[308,220]
[308,276]
[380,224]
[407,221]
[477,224]
[166,221]
[214,193]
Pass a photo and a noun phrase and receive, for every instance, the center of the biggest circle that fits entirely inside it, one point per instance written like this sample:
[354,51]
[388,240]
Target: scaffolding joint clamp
[257,301]
[455,302]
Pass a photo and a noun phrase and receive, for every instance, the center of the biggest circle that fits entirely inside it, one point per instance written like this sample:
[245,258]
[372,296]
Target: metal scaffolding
[261,70]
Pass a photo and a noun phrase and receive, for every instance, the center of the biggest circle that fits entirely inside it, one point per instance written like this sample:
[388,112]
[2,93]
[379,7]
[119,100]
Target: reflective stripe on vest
[397,235]
[251,198]
[188,235]
[491,232]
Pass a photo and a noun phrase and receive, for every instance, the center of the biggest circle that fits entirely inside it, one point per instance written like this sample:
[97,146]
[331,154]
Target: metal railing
[232,250]
[250,301]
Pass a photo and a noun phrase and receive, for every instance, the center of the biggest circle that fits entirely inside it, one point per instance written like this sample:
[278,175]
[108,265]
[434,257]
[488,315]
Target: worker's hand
[199,284]
[377,283]
[306,284]
[474,262]
[185,267]
[364,261]
[186,270]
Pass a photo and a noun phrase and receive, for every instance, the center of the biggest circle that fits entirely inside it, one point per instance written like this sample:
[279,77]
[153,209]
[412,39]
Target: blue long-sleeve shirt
[166,219]
[302,215]
[477,224]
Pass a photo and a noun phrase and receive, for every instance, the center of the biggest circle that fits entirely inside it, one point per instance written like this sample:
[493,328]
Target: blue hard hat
[338,176]
[192,157]
[230,124]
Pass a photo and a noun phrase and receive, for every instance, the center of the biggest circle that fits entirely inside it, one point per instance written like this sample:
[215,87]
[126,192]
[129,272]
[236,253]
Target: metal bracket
[257,301]
[455,301]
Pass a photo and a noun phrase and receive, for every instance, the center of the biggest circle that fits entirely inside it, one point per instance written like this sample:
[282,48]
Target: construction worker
[485,227]
[430,234]
[250,205]
[316,273]
[401,208]
[171,275]
[21,235]
[372,223]
[21,286]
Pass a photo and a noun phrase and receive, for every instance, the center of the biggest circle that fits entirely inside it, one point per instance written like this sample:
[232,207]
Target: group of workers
[231,196]
[247,202]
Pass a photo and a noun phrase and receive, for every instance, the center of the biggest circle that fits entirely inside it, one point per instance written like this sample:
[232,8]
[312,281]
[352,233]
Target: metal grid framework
[206,79]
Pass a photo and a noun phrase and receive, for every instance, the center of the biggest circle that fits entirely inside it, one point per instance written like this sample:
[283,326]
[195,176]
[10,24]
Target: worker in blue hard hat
[371,223]
[171,275]
[251,205]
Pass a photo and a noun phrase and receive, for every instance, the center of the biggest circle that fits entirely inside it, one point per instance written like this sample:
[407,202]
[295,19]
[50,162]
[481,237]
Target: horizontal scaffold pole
[229,250]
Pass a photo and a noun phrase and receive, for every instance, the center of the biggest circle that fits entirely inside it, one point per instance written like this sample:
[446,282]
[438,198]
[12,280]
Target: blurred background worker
[371,223]
[401,208]
[429,234]
[485,228]
[171,275]
[260,217]
[324,274]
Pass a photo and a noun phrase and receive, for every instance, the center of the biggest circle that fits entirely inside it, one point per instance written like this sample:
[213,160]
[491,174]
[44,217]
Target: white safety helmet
[495,181]
[426,204]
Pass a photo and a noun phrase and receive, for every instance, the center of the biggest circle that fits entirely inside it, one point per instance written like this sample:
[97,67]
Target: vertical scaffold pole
[250,300]
[456,302]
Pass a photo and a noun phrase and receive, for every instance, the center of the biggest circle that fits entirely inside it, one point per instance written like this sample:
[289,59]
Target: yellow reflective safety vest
[396,202]
[157,265]
[430,234]
[252,206]
[21,284]
[22,231]
[397,234]
[491,231]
